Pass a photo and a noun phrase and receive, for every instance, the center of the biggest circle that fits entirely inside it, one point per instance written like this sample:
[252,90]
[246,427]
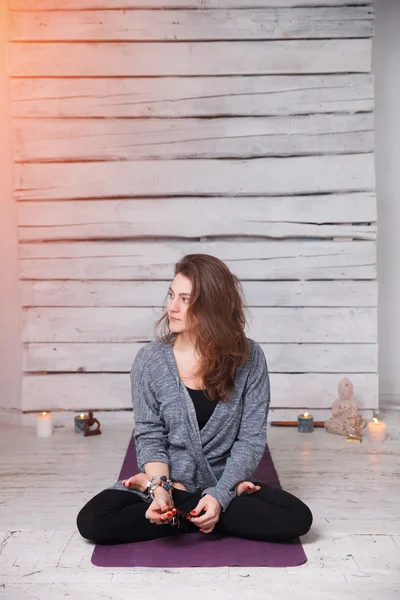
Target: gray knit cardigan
[228,448]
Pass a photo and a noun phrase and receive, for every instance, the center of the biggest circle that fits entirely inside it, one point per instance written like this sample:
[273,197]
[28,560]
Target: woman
[200,398]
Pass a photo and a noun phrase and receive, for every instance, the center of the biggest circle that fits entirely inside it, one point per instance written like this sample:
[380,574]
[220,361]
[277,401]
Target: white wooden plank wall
[148,129]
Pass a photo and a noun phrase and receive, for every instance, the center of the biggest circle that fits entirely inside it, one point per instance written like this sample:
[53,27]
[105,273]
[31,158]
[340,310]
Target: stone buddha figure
[342,410]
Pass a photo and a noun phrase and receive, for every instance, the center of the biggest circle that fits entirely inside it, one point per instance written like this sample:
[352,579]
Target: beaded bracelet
[157,481]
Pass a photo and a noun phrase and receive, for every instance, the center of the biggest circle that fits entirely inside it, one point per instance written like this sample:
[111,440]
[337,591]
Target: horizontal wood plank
[125,4]
[249,259]
[178,25]
[197,217]
[191,96]
[154,293]
[63,140]
[80,59]
[359,207]
[112,391]
[118,357]
[336,173]
[133,324]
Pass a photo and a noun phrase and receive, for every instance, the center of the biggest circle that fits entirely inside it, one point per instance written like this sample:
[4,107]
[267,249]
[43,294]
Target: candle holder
[79,422]
[305,423]
[354,431]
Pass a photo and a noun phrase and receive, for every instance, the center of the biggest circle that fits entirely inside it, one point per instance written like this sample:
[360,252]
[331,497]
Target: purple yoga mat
[197,549]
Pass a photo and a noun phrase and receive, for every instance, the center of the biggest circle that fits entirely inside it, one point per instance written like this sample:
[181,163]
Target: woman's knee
[303,519]
[92,518]
[90,524]
[298,517]
[86,523]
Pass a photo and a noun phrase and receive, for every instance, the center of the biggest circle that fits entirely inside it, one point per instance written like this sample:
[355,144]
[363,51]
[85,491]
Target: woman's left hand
[212,510]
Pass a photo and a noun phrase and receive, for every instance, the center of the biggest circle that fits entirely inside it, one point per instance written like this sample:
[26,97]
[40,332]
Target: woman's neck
[184,343]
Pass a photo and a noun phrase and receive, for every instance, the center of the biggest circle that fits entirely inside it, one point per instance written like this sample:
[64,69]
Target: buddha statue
[342,410]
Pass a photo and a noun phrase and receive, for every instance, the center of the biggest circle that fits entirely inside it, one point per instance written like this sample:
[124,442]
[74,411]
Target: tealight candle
[305,423]
[80,422]
[376,430]
[44,425]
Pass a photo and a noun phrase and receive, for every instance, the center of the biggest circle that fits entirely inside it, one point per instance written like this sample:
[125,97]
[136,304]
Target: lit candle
[80,422]
[44,425]
[305,423]
[376,430]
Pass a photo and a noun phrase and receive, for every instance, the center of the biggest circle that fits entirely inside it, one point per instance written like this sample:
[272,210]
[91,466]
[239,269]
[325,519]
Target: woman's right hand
[161,510]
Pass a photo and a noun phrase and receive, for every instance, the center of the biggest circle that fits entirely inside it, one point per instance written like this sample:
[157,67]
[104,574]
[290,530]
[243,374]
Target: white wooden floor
[353,548]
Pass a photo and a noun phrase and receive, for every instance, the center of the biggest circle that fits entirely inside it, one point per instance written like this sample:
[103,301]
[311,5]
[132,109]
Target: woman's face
[178,302]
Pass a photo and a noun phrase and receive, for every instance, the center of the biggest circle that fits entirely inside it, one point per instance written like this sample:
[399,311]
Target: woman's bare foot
[179,486]
[246,488]
[136,482]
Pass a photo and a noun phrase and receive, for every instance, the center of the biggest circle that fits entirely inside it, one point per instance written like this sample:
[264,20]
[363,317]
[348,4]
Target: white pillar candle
[44,425]
[376,430]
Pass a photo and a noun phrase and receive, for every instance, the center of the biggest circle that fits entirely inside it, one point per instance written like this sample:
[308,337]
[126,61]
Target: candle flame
[306,414]
[375,420]
[82,416]
[44,413]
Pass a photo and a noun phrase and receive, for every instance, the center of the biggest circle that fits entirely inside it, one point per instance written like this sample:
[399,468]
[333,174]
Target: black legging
[271,514]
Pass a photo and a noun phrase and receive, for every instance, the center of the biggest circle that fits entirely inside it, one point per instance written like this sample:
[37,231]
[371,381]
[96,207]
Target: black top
[204,408]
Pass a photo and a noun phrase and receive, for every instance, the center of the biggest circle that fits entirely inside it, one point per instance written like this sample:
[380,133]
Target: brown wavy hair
[216,313]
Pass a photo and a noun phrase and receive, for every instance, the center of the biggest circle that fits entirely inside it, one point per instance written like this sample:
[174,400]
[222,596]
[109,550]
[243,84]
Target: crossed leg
[271,514]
